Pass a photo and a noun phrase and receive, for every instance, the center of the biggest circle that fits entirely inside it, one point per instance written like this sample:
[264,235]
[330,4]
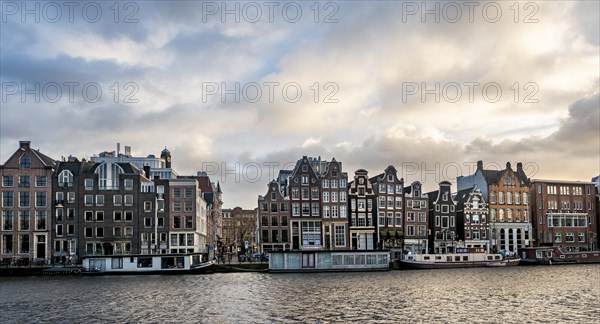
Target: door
[40,249]
[308,260]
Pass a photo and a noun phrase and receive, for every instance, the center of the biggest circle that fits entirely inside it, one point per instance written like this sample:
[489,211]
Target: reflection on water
[493,295]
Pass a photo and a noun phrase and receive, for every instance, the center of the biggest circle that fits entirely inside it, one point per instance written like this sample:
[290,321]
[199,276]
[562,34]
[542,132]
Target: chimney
[507,165]
[24,145]
[147,171]
[127,150]
[520,167]
[118,149]
[480,165]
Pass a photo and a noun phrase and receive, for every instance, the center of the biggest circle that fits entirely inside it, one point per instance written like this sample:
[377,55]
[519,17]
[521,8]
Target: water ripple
[486,295]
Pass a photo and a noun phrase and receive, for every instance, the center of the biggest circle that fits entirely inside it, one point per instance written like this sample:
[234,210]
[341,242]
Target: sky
[243,89]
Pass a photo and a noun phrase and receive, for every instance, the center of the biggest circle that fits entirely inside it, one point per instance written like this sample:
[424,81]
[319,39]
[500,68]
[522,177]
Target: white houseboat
[191,263]
[462,258]
[325,261]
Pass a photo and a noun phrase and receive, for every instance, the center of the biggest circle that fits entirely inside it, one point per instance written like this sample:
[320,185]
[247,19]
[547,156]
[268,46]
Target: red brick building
[564,214]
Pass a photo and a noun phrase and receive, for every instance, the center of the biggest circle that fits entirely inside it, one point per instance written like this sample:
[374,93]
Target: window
[117,215]
[147,222]
[445,209]
[24,246]
[177,206]
[422,217]
[343,211]
[88,215]
[88,232]
[305,209]
[305,194]
[71,197]
[23,199]
[128,200]
[7,220]
[40,199]
[295,209]
[342,196]
[24,162]
[398,219]
[59,214]
[493,197]
[557,237]
[70,229]
[525,199]
[99,231]
[398,202]
[128,216]
[501,197]
[509,198]
[128,231]
[41,181]
[517,198]
[147,206]
[390,202]
[334,183]
[189,192]
[99,216]
[128,184]
[7,199]
[8,181]
[326,212]
[343,184]
[410,230]
[89,200]
[24,220]
[382,188]
[340,236]
[304,179]
[40,220]
[334,196]
[315,209]
[176,221]
[581,237]
[334,211]
[273,196]
[437,221]
[295,193]
[325,196]
[410,216]
[314,193]
[88,183]
[569,238]
[99,200]
[325,183]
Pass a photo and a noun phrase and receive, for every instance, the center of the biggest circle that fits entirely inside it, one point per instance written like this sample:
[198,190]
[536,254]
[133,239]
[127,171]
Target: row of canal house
[113,204]
[316,207]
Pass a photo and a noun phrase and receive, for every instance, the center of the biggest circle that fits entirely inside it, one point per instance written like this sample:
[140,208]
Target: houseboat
[191,263]
[556,255]
[462,258]
[329,261]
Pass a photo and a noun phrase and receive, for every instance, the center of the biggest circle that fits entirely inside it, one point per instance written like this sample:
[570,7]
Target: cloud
[352,73]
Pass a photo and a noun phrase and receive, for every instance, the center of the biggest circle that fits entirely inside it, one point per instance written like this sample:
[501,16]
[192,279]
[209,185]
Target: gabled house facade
[389,190]
[273,220]
[416,219]
[363,213]
[442,220]
[26,210]
[306,222]
[507,193]
[473,212]
[334,204]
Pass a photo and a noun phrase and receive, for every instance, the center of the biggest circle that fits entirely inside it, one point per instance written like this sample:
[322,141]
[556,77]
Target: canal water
[550,294]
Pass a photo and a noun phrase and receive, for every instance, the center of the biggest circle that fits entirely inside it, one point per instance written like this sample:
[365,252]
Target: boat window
[437,257]
[457,258]
[497,257]
[427,257]
[489,257]
[145,262]
[465,258]
[449,258]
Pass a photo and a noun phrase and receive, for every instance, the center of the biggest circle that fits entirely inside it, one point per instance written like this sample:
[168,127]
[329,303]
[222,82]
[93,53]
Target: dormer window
[65,179]
[24,162]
